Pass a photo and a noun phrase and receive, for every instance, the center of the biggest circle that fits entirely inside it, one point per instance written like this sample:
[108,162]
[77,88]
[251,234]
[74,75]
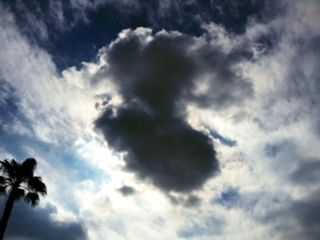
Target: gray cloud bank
[37,224]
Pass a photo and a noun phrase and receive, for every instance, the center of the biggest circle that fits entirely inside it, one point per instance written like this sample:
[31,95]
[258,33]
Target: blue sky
[194,119]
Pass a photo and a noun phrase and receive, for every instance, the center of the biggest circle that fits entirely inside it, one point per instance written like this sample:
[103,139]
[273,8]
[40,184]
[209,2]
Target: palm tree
[17,181]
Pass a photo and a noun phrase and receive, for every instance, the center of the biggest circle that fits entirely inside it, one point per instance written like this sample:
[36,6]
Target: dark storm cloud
[127,190]
[36,224]
[157,79]
[166,151]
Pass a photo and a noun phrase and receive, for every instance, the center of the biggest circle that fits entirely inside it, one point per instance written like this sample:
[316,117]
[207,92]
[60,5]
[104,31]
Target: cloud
[57,25]
[37,224]
[229,198]
[207,227]
[38,93]
[307,173]
[127,190]
[189,201]
[297,219]
[157,76]
[306,211]
[226,141]
[267,109]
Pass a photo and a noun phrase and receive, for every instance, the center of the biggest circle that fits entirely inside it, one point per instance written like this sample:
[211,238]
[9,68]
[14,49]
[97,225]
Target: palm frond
[4,181]
[9,168]
[3,190]
[32,198]
[19,177]
[27,167]
[35,184]
[19,193]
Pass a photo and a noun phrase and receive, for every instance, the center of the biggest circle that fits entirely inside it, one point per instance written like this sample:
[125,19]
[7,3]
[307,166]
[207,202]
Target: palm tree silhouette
[17,181]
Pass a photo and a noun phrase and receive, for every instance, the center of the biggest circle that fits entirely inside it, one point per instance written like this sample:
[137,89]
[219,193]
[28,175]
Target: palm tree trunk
[6,214]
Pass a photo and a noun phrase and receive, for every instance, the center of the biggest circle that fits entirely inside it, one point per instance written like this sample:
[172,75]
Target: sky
[194,120]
